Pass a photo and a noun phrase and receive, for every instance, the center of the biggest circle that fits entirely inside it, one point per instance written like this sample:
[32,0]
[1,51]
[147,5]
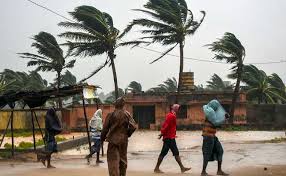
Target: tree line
[91,32]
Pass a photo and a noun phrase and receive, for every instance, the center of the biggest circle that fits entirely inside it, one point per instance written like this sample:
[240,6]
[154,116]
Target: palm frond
[166,52]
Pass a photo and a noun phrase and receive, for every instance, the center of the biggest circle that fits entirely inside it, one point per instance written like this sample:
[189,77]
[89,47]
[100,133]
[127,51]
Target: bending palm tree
[135,87]
[170,85]
[260,87]
[216,83]
[230,49]
[50,56]
[172,22]
[95,35]
[21,81]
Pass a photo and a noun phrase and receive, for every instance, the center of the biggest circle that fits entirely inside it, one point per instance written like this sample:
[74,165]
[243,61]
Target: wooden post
[39,127]
[86,124]
[12,133]
[33,126]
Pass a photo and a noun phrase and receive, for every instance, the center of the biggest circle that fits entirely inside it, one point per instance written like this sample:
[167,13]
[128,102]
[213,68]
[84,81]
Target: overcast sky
[259,24]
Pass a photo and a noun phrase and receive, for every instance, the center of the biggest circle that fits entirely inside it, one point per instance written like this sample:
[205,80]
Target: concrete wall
[22,119]
[274,115]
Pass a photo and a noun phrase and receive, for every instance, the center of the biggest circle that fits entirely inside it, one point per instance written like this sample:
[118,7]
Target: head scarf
[175,107]
[96,120]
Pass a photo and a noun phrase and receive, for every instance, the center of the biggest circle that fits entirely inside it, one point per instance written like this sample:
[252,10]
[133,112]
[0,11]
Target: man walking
[118,126]
[168,131]
[212,148]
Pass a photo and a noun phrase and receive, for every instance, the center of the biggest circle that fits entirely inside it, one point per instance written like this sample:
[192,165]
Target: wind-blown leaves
[230,49]
[170,85]
[135,87]
[94,34]
[216,83]
[260,87]
[21,81]
[170,23]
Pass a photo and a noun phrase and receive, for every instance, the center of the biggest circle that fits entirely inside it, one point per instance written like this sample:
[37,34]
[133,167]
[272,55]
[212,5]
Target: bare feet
[185,169]
[99,161]
[205,174]
[51,167]
[88,159]
[158,171]
[43,162]
[222,173]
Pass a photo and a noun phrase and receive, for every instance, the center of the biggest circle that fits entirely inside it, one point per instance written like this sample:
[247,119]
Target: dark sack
[131,124]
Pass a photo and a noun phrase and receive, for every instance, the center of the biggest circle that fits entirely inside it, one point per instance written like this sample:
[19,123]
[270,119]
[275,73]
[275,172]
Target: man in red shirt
[168,131]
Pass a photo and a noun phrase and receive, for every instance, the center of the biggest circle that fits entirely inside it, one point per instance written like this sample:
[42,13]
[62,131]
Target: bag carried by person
[131,124]
[214,112]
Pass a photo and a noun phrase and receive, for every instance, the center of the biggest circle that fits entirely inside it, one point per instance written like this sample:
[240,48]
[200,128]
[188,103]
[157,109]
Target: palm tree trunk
[236,92]
[259,99]
[58,87]
[181,69]
[112,56]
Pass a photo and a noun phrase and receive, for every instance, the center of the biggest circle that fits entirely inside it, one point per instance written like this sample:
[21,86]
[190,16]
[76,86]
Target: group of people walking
[119,126]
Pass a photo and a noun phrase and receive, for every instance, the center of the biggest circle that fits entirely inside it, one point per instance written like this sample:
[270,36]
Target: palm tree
[216,83]
[170,85]
[230,49]
[50,56]
[68,79]
[260,87]
[111,98]
[171,23]
[135,87]
[4,84]
[21,81]
[199,87]
[95,35]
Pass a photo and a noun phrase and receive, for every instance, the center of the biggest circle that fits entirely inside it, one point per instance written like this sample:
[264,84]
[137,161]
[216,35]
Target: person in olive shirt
[116,130]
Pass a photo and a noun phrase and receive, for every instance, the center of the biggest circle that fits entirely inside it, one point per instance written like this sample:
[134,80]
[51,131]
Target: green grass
[22,133]
[5,155]
[27,145]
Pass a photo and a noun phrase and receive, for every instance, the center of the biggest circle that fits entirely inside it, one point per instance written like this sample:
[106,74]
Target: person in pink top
[168,132]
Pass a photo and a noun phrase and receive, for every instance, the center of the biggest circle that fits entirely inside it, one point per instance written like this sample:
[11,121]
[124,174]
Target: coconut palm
[230,49]
[135,87]
[94,35]
[170,85]
[216,83]
[21,81]
[50,56]
[199,87]
[111,98]
[260,87]
[4,84]
[171,23]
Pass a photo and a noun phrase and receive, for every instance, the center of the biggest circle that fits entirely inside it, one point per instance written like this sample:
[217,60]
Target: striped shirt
[209,129]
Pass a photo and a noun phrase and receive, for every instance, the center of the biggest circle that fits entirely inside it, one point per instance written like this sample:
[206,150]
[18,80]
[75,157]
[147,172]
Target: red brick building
[149,110]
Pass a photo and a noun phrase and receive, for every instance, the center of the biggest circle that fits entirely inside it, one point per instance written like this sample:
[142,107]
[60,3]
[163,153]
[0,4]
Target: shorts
[169,144]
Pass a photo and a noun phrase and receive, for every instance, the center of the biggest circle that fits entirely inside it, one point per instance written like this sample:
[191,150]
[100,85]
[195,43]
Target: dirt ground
[17,170]
[245,154]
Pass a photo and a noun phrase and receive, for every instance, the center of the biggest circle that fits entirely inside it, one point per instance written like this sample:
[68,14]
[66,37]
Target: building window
[183,112]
